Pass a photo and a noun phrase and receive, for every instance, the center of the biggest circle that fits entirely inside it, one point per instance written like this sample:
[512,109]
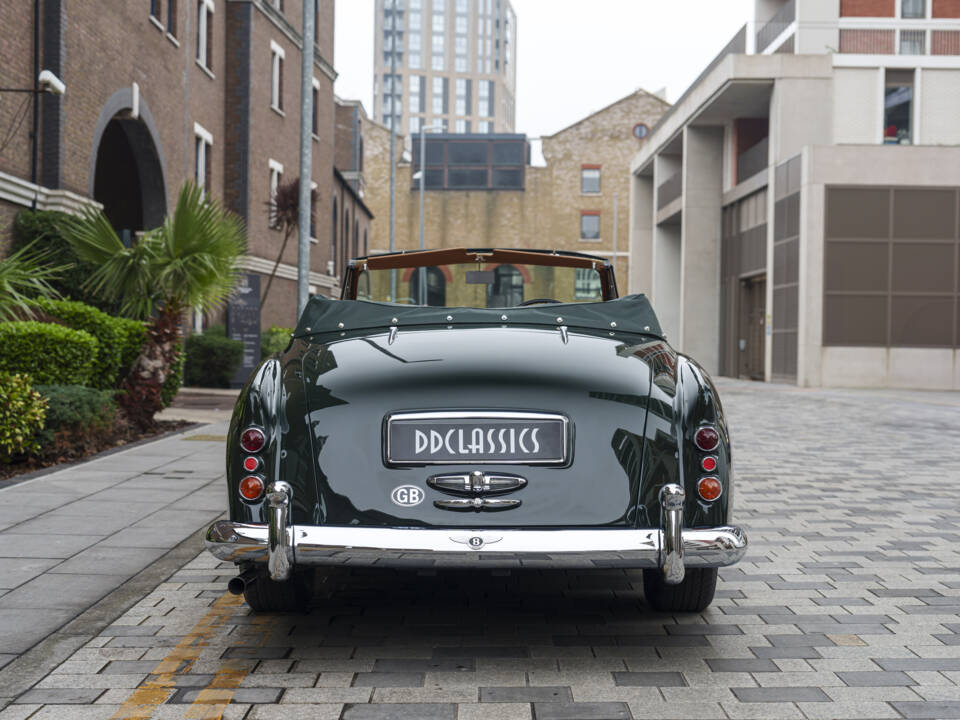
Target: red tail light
[251,488]
[251,464]
[252,440]
[709,463]
[706,438]
[709,488]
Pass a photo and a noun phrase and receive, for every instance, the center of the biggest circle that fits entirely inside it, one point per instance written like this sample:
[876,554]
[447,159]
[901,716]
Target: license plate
[433,438]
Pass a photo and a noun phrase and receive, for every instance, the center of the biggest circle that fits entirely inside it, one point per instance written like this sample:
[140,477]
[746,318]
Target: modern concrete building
[481,191]
[794,216]
[454,65]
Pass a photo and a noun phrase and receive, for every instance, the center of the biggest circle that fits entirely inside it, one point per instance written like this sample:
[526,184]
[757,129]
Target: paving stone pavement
[846,606]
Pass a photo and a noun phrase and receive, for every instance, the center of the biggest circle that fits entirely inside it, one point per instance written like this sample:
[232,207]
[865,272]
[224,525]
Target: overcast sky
[574,56]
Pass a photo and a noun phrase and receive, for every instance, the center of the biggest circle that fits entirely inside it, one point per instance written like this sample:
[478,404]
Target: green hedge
[212,358]
[274,340]
[77,416]
[107,331]
[22,414]
[50,353]
[133,337]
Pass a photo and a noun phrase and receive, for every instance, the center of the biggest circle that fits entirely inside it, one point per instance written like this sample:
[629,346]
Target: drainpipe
[34,154]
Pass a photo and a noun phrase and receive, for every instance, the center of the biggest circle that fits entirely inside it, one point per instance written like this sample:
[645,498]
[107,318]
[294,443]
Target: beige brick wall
[546,215]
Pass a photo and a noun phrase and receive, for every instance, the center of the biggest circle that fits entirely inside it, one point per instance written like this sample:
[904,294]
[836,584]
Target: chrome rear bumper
[314,545]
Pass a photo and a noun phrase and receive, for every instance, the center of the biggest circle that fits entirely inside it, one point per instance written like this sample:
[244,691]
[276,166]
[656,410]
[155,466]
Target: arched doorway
[127,171]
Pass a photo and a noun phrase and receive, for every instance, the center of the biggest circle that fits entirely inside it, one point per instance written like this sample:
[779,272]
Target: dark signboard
[243,323]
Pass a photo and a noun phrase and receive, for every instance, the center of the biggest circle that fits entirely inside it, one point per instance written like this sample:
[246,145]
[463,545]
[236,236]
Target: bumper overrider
[670,548]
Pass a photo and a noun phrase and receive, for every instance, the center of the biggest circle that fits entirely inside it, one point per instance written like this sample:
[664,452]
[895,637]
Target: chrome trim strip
[476,415]
[279,547]
[316,545]
[671,513]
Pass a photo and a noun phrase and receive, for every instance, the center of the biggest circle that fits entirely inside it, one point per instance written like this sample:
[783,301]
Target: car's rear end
[438,437]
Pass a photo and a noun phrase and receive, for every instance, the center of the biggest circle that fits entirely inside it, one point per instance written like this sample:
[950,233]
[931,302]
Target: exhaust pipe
[236,585]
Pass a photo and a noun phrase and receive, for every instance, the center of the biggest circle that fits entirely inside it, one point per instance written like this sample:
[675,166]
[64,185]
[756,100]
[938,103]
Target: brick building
[162,91]
[794,215]
[481,190]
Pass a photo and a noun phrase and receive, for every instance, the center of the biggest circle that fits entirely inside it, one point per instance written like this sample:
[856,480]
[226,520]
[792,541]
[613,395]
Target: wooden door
[751,327]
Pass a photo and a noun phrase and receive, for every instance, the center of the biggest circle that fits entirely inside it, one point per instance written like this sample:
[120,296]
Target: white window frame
[206,9]
[276,176]
[313,187]
[204,136]
[277,56]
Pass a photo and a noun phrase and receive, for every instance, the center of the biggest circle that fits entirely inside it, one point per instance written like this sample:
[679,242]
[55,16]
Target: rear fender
[272,400]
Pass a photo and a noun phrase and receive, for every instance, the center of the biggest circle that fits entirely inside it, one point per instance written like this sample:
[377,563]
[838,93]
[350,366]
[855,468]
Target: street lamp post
[422,273]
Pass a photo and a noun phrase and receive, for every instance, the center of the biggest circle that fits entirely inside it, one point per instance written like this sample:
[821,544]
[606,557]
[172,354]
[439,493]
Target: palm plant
[191,261]
[24,276]
[284,212]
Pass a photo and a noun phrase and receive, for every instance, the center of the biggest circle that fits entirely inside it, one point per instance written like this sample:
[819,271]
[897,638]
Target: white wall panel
[940,107]
[856,106]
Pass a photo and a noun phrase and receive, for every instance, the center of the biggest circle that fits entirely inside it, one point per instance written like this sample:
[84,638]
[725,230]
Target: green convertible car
[479,408]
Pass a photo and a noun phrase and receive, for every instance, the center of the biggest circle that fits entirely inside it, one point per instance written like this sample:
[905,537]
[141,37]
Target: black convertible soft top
[632,314]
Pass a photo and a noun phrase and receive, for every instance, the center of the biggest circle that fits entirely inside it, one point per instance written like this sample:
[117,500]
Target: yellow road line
[144,700]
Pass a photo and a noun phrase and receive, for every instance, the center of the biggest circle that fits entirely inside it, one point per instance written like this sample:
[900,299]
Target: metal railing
[669,190]
[776,25]
[753,160]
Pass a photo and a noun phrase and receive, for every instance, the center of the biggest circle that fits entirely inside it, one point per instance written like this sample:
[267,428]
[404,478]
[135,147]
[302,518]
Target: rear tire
[694,594]
[266,595]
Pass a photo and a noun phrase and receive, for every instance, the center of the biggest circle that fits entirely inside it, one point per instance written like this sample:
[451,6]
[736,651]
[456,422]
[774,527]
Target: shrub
[107,331]
[274,340]
[133,337]
[77,419]
[50,353]
[22,414]
[212,358]
[171,385]
[45,228]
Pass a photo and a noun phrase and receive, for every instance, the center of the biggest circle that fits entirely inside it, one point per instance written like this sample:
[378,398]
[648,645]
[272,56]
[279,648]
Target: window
[415,101]
[897,107]
[586,284]
[414,21]
[913,8]
[912,42]
[205,33]
[172,17]
[332,262]
[435,287]
[155,9]
[413,42]
[463,96]
[506,290]
[589,179]
[590,225]
[463,126]
[483,99]
[313,214]
[415,125]
[438,51]
[439,22]
[439,98]
[315,118]
[461,24]
[414,61]
[276,176]
[278,5]
[484,126]
[202,164]
[276,76]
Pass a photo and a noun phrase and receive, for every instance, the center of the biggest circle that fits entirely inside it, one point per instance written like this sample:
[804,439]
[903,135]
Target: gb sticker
[407,495]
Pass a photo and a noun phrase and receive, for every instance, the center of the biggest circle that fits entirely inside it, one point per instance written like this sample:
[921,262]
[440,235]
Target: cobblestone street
[847,605]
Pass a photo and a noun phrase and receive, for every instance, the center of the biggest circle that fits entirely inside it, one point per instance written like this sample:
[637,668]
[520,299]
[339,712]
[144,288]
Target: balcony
[753,160]
[776,25]
[669,190]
